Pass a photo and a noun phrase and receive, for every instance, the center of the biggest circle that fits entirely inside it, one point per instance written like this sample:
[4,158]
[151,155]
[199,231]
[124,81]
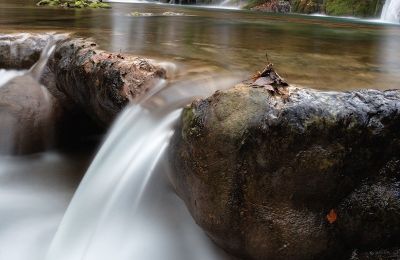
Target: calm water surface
[324,53]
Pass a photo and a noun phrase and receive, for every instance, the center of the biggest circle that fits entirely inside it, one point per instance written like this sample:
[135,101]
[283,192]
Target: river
[319,52]
[326,53]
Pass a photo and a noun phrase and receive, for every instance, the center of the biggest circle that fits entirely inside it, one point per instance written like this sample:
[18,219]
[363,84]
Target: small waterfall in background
[391,11]
[125,207]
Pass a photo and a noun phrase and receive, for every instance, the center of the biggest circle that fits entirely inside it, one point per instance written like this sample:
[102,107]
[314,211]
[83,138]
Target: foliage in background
[360,8]
[307,6]
[74,3]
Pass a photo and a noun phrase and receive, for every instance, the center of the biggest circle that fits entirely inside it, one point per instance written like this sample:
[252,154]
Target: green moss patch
[74,3]
[360,8]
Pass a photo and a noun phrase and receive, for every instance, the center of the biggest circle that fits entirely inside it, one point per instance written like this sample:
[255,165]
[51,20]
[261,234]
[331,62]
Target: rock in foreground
[312,175]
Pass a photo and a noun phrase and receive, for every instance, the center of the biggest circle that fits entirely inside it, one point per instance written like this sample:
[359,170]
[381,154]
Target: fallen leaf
[332,216]
[262,81]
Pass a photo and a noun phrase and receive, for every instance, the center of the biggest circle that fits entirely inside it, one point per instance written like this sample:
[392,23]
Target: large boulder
[304,175]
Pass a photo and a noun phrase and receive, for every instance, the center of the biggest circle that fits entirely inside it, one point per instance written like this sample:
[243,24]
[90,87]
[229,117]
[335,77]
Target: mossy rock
[359,8]
[311,175]
[49,3]
[307,6]
[274,6]
[74,4]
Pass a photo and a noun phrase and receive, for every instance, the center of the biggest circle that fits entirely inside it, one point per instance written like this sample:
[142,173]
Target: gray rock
[291,177]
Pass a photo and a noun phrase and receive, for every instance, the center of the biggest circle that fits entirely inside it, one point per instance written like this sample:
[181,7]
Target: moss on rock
[273,6]
[360,8]
[307,6]
[314,175]
[74,3]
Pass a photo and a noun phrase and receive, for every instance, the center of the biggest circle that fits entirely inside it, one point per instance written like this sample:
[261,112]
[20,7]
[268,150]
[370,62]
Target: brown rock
[291,177]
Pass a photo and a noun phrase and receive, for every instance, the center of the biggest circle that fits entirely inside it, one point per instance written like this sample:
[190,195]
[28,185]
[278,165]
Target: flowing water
[125,207]
[34,192]
[391,11]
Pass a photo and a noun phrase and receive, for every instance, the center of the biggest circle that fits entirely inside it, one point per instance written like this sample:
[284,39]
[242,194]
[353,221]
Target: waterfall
[391,11]
[125,207]
[26,108]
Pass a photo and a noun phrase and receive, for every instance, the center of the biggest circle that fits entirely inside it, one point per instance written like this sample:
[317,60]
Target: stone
[271,176]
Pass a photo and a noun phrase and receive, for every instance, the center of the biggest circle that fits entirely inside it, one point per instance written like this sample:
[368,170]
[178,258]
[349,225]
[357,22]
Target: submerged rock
[309,175]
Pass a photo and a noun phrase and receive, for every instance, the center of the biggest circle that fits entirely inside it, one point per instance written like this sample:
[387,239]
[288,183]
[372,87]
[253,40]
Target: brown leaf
[256,76]
[262,81]
[332,216]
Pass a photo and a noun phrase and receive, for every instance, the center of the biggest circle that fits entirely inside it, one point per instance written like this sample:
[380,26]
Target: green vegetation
[307,6]
[361,8]
[74,3]
[253,3]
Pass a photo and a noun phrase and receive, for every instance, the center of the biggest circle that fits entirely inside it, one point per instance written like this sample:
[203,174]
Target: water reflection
[326,53]
[389,59]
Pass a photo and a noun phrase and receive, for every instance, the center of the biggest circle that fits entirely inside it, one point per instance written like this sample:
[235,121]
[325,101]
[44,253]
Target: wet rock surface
[312,175]
[80,75]
[22,50]
[87,88]
[101,83]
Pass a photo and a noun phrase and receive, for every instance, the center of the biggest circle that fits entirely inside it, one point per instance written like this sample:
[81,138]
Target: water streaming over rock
[26,108]
[391,11]
[125,207]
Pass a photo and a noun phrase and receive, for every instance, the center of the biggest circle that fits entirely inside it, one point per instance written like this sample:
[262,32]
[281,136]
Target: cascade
[125,207]
[391,11]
